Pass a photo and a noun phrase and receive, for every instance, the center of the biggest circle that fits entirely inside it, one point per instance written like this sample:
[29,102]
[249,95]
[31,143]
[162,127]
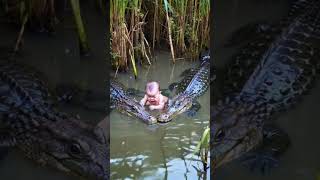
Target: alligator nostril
[153,119]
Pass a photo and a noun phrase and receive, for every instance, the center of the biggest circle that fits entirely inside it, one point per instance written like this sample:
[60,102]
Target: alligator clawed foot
[191,113]
[260,161]
[173,86]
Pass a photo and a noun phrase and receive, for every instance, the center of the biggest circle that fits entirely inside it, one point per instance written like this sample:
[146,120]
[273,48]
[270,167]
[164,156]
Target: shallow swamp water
[302,160]
[164,151]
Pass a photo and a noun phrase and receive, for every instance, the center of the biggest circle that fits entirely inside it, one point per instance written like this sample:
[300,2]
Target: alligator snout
[153,120]
[163,118]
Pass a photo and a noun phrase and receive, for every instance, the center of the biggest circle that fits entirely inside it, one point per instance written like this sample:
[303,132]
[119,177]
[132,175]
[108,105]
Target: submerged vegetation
[138,26]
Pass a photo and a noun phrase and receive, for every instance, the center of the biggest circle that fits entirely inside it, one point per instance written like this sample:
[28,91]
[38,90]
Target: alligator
[126,104]
[254,40]
[242,124]
[30,123]
[192,86]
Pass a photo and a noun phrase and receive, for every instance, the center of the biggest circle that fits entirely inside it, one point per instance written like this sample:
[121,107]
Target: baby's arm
[143,100]
[161,105]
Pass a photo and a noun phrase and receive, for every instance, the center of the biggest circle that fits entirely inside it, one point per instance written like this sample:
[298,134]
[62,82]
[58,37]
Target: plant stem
[84,46]
[170,38]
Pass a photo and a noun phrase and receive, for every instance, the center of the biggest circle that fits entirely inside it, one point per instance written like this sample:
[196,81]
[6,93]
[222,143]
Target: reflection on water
[139,151]
[302,160]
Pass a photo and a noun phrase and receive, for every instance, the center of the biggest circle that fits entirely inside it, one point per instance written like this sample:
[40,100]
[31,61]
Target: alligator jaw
[179,105]
[236,129]
[70,146]
[138,111]
[127,104]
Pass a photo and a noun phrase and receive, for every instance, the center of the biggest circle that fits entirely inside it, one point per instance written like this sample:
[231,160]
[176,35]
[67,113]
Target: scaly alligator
[30,123]
[126,104]
[257,38]
[190,88]
[242,122]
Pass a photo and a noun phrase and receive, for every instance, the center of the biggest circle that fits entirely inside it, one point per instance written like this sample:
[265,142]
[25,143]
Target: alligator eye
[75,149]
[220,135]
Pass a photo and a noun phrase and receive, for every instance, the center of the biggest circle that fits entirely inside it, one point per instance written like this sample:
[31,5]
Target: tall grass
[182,26]
[128,40]
[189,25]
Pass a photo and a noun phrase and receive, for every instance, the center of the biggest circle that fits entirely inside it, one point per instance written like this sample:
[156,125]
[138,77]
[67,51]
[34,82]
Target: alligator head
[127,104]
[176,106]
[236,128]
[70,146]
[133,108]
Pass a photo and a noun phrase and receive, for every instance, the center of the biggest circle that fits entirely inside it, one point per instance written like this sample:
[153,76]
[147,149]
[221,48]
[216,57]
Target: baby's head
[152,88]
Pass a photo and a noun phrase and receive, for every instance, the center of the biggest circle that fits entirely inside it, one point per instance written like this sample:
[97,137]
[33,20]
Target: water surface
[140,151]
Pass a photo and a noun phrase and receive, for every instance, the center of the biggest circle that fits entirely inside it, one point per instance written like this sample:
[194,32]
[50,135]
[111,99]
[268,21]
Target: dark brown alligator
[126,104]
[192,86]
[30,123]
[241,125]
[254,40]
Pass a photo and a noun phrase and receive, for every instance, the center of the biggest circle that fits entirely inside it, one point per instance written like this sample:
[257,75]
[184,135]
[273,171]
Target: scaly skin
[42,133]
[286,71]
[127,104]
[190,88]
[261,35]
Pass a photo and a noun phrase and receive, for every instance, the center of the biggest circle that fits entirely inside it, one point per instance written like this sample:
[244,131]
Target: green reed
[202,149]
[180,25]
[128,39]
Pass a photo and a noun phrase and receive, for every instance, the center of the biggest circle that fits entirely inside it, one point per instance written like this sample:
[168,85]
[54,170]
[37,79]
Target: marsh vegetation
[139,27]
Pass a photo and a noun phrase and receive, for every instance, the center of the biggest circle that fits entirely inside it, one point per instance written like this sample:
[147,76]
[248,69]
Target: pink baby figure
[153,97]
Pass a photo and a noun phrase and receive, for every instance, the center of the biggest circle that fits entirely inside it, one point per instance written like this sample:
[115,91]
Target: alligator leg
[173,86]
[194,109]
[67,93]
[266,156]
[73,94]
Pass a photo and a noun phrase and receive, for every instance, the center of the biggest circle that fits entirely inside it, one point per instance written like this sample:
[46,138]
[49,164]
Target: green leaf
[167,6]
[204,142]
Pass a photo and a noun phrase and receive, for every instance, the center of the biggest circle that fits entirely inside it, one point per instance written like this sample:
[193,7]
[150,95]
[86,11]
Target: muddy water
[302,160]
[57,57]
[139,151]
